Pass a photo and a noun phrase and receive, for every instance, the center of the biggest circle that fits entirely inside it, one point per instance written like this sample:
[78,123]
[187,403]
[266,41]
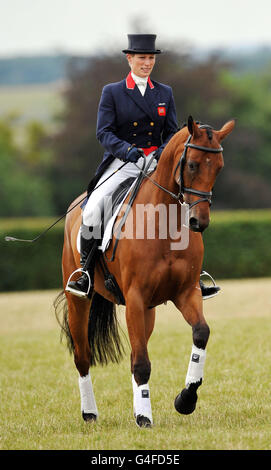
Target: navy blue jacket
[125,117]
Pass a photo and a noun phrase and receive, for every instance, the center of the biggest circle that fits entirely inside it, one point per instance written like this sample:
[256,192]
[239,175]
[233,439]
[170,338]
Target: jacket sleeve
[170,126]
[106,126]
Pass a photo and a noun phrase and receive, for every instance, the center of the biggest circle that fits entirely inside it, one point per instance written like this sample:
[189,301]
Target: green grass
[40,405]
[248,215]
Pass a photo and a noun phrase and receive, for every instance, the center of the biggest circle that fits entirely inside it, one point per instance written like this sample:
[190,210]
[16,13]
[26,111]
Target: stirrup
[77,292]
[204,273]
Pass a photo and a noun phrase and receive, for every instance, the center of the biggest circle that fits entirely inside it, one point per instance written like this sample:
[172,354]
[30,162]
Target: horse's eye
[193,166]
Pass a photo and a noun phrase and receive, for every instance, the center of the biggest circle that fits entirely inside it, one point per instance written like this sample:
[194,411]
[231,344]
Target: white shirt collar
[139,80]
[141,83]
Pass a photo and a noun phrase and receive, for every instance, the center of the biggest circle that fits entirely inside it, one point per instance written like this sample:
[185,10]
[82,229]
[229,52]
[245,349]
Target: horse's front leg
[149,318]
[140,326]
[190,304]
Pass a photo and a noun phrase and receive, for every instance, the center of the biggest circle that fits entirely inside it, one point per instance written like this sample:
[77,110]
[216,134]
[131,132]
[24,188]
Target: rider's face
[141,64]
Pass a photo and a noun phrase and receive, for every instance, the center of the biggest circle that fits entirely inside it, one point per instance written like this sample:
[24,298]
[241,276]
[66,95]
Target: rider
[135,115]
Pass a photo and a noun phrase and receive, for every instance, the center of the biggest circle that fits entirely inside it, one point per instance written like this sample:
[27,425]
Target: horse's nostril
[197,225]
[194,223]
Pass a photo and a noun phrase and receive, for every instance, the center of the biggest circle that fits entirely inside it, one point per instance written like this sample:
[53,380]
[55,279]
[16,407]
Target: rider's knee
[93,217]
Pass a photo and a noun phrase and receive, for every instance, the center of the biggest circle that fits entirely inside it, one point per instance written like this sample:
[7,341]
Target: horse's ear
[226,129]
[192,127]
[190,124]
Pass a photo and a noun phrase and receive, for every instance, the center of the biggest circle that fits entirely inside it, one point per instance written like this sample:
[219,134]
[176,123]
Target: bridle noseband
[204,196]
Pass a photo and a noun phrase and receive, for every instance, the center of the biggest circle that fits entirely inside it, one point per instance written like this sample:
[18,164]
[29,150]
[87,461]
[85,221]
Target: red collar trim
[130,83]
[150,83]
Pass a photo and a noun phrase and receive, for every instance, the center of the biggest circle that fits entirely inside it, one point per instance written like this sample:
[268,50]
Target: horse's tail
[103,329]
[61,312]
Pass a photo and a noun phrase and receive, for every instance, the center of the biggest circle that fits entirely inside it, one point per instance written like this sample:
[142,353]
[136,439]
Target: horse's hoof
[143,422]
[89,417]
[185,402]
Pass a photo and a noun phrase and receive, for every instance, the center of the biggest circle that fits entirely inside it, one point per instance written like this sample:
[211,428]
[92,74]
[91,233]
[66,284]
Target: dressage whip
[13,239]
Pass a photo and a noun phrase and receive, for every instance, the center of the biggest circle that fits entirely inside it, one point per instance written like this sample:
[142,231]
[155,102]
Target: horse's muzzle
[198,225]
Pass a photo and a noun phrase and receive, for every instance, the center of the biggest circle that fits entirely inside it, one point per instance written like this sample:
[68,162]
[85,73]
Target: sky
[86,26]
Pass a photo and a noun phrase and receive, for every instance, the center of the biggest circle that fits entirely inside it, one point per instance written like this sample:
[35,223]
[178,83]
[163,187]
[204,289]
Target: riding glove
[134,154]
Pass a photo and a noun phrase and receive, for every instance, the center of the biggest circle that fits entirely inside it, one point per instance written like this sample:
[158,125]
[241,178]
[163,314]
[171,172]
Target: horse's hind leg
[78,317]
[191,308]
[78,325]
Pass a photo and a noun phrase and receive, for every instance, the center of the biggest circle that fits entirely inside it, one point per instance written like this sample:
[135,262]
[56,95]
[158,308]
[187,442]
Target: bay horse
[148,273]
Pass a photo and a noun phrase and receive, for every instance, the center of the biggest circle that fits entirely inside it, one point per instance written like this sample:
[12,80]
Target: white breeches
[95,206]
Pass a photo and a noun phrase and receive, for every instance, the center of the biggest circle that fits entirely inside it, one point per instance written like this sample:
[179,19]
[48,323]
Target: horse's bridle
[204,196]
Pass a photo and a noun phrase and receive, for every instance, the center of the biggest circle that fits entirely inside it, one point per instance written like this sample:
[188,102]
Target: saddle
[117,197]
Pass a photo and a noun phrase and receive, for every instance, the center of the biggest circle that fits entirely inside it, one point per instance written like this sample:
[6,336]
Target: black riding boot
[84,285]
[208,291]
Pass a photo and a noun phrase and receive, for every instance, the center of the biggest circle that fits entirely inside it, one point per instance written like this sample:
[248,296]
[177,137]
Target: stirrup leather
[77,292]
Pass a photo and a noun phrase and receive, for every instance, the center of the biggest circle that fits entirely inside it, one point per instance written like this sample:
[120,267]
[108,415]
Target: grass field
[40,405]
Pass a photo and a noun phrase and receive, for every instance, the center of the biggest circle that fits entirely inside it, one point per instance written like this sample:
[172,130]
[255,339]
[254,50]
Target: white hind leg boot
[88,403]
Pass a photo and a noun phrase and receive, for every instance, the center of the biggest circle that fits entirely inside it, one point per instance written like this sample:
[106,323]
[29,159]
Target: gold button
[152,123]
[134,135]
[135,123]
[149,133]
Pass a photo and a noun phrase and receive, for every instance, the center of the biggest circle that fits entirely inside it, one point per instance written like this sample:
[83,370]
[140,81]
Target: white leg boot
[142,404]
[88,404]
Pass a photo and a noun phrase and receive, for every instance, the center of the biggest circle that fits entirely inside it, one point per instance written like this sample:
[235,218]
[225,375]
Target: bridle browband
[204,195]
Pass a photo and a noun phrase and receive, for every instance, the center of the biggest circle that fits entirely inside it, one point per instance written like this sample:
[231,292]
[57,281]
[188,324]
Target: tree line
[52,168]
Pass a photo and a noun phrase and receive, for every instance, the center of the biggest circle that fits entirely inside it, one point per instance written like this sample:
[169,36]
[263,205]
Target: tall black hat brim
[141,51]
[141,44]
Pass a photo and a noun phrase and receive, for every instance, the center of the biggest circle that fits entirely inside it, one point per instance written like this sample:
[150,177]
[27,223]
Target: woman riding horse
[136,116]
[148,271]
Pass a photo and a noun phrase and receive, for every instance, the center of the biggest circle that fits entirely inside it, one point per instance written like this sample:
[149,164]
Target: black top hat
[141,44]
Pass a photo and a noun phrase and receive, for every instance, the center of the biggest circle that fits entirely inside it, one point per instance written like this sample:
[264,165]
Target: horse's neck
[164,174]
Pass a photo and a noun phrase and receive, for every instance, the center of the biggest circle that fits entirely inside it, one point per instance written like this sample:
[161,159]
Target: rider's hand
[134,154]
